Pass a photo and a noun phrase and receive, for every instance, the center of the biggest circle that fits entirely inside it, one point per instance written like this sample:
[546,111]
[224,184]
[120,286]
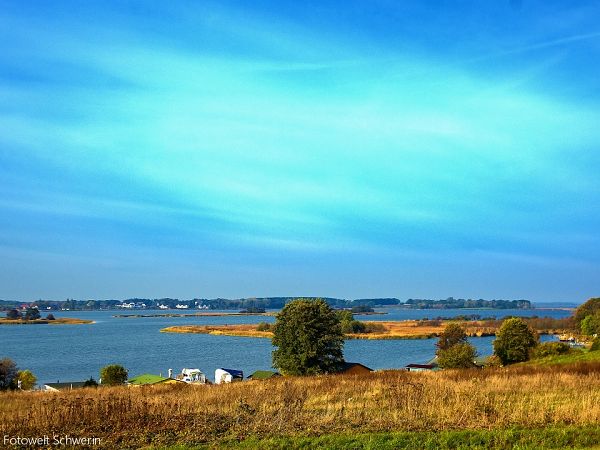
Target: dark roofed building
[351,368]
[421,367]
[263,375]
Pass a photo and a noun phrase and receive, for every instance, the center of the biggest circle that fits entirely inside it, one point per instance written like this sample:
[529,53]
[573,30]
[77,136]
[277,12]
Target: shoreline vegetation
[57,321]
[550,406]
[199,314]
[405,329]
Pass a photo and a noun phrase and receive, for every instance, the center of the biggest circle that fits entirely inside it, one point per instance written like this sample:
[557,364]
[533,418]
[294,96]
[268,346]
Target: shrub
[113,374]
[27,379]
[590,325]
[458,356]
[514,341]
[550,349]
[374,327]
[353,326]
[50,317]
[32,314]
[8,374]
[588,308]
[453,334]
[595,345]
[90,383]
[263,326]
[13,314]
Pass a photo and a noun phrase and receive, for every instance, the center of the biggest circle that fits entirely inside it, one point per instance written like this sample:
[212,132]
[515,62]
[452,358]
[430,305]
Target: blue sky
[350,149]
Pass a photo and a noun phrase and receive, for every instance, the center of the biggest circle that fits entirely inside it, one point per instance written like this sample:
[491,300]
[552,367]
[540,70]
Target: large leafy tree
[589,308]
[452,335]
[309,339]
[590,325]
[113,374]
[8,374]
[514,341]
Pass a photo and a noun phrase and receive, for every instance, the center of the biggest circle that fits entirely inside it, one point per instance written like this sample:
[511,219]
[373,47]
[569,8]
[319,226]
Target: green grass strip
[518,438]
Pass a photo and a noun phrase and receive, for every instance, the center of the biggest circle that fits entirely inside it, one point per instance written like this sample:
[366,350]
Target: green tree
[588,308]
[90,383]
[8,374]
[32,314]
[27,379]
[349,324]
[13,314]
[452,335]
[113,374]
[590,325]
[550,349]
[458,356]
[308,337]
[514,341]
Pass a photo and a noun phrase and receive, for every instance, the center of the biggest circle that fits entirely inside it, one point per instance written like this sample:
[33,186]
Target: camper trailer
[228,376]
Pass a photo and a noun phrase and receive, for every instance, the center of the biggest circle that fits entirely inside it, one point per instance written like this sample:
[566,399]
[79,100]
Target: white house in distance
[195,376]
[228,376]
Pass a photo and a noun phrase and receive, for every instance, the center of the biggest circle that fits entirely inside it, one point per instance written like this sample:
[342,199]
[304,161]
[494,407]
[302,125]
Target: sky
[350,149]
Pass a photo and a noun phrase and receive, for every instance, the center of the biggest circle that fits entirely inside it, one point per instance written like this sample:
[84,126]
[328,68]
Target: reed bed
[530,397]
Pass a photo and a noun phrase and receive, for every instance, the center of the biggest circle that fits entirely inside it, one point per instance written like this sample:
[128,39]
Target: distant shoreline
[200,314]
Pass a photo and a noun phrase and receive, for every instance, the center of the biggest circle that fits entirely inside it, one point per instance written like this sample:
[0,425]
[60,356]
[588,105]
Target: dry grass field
[531,397]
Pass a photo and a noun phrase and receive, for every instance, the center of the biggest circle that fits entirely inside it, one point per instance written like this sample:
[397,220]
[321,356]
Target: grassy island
[57,321]
[405,329]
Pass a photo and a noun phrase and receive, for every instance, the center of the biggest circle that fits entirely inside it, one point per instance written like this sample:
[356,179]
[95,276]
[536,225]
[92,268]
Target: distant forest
[262,302]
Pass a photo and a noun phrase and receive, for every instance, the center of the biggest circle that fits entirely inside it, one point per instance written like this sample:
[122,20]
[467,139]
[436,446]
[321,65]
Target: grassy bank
[574,356]
[555,437]
[275,411]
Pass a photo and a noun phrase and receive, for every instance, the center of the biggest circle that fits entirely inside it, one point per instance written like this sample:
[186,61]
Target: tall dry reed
[383,401]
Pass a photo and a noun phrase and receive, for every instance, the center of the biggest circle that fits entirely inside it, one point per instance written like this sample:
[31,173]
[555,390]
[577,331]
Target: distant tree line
[257,303]
[457,303]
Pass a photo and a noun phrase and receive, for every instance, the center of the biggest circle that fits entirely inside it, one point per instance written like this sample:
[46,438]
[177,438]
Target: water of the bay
[77,352]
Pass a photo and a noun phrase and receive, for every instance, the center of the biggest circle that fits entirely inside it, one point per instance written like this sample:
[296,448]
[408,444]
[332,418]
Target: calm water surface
[76,352]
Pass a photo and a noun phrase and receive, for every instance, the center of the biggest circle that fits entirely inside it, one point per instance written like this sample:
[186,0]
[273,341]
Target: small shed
[228,376]
[263,375]
[352,368]
[66,386]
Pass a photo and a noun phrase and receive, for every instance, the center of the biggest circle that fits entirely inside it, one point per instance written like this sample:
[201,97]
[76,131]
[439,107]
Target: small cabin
[263,375]
[350,368]
[228,376]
